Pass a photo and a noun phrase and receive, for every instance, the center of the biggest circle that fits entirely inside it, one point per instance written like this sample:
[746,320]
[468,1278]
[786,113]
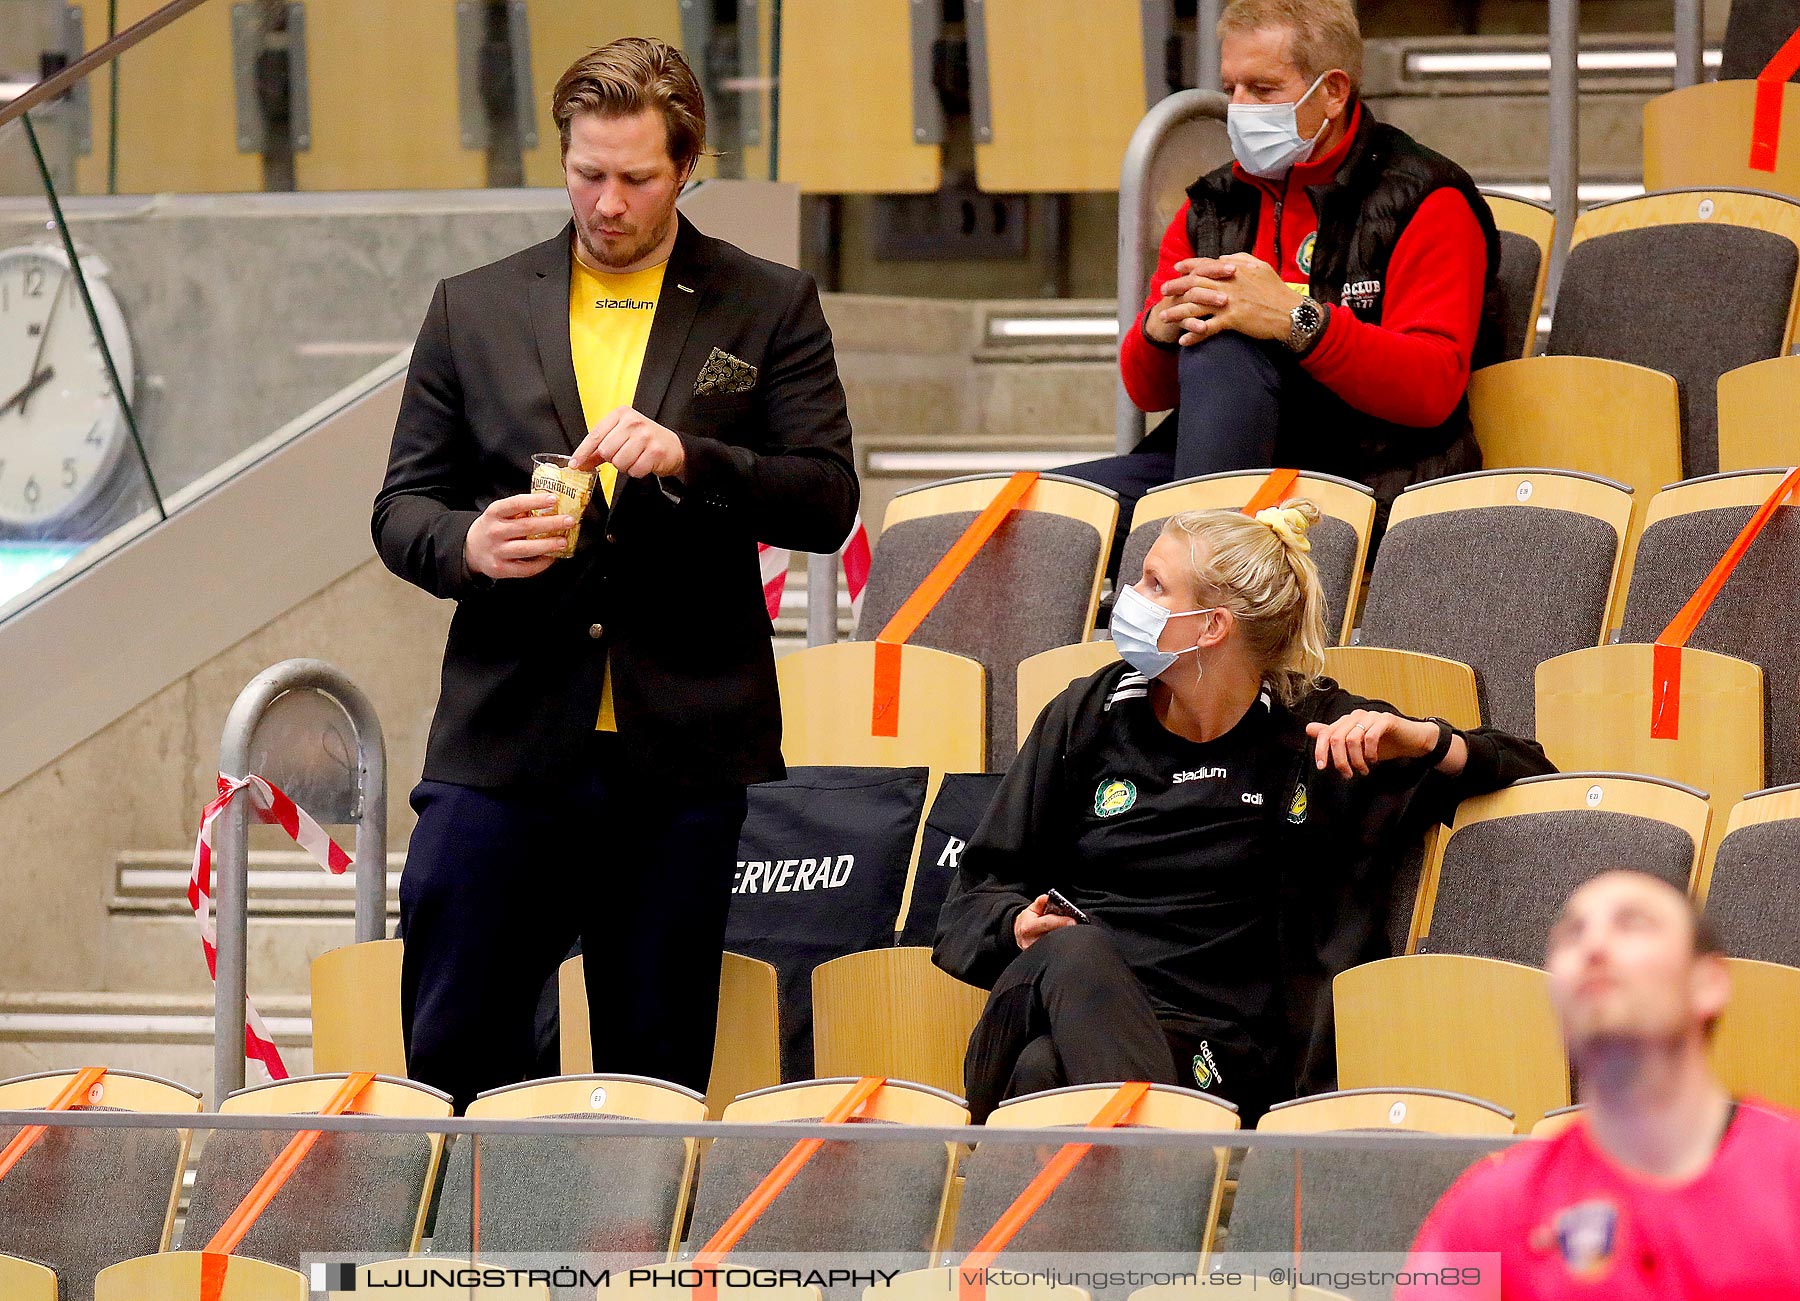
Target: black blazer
[670,589]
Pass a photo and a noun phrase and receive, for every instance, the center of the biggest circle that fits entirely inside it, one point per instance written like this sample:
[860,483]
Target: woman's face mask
[1137,628]
[1266,139]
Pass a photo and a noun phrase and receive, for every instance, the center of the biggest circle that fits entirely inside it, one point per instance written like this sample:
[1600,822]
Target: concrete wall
[141,781]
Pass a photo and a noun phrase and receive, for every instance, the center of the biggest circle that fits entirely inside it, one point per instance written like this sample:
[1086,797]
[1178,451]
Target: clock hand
[43,342]
[23,396]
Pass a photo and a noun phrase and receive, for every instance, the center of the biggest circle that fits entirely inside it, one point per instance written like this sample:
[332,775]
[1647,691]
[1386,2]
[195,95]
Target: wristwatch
[1446,734]
[1305,324]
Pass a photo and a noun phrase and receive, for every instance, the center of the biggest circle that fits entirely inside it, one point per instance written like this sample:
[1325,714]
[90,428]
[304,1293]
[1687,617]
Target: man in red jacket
[1318,302]
[1665,1187]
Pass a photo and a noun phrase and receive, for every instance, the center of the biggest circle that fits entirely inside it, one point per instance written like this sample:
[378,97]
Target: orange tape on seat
[71,1097]
[884,718]
[1665,657]
[761,1197]
[1765,129]
[971,1274]
[1272,491]
[216,1257]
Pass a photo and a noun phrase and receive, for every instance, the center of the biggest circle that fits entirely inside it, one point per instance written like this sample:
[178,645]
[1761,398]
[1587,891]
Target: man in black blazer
[600,715]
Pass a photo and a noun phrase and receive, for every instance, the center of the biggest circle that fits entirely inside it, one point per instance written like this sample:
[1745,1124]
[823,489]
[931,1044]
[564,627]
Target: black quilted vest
[1363,211]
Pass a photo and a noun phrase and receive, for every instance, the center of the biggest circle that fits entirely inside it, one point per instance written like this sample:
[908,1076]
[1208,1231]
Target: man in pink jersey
[1665,1186]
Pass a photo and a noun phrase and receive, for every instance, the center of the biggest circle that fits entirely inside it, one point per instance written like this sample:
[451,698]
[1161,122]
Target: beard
[626,250]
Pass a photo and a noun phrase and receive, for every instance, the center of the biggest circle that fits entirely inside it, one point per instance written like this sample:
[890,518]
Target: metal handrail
[1690,43]
[1565,135]
[1135,218]
[101,55]
[231,841]
[1206,43]
[784,1131]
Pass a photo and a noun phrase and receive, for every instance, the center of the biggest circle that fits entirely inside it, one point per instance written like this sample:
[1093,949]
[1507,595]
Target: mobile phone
[1059,906]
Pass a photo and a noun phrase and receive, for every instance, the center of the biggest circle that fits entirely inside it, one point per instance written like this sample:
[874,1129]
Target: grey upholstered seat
[1755,616]
[83,1199]
[559,1194]
[1754,898]
[1149,1201]
[1516,284]
[1028,590]
[1626,296]
[1500,588]
[1333,551]
[355,1193]
[1504,879]
[880,1201]
[1348,1201]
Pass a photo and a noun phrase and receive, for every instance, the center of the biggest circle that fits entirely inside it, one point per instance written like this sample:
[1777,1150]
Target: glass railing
[590,1201]
[209,235]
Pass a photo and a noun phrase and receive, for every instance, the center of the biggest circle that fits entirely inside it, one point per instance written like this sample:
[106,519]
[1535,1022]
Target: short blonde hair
[1259,569]
[1322,34]
[626,77]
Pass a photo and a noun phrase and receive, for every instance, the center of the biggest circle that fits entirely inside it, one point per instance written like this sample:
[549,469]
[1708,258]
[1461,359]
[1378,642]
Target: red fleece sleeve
[1413,368]
[1150,372]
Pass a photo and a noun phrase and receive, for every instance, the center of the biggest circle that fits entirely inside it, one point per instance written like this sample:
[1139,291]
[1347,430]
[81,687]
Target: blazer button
[612,539]
[596,631]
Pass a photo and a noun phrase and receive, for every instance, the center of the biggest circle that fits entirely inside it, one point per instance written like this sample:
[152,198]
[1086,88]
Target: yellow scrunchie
[1289,525]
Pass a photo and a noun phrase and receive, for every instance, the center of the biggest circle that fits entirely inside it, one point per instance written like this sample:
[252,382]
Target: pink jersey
[1571,1223]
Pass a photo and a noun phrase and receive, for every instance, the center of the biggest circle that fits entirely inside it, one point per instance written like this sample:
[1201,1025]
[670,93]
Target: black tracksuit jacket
[1235,877]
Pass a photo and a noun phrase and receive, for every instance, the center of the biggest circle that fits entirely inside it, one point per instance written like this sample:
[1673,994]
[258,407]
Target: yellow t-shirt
[609,327]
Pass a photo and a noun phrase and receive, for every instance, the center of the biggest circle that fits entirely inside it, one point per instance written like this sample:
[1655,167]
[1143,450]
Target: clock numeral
[32,492]
[93,438]
[34,282]
[68,474]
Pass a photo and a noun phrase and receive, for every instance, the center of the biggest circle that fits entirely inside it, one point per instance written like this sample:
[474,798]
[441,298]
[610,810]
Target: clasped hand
[1209,296]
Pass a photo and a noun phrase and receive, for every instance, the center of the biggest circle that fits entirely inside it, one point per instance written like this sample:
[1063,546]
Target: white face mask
[1265,138]
[1137,627]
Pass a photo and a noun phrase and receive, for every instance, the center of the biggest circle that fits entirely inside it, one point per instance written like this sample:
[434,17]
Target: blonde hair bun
[1291,522]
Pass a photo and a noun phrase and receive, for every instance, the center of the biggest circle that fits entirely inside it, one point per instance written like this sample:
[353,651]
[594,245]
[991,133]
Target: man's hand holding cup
[510,539]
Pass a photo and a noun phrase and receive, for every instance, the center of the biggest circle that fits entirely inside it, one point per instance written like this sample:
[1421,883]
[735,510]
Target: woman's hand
[1032,924]
[1365,736]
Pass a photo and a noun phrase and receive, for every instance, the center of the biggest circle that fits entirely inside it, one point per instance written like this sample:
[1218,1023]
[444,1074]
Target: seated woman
[1227,822]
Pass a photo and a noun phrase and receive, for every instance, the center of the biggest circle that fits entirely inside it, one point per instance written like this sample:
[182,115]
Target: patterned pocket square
[724,374]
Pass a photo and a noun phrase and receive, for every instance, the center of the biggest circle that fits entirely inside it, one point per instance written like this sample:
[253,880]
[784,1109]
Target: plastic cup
[574,489]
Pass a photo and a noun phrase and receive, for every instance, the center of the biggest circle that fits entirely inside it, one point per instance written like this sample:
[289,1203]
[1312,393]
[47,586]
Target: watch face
[61,424]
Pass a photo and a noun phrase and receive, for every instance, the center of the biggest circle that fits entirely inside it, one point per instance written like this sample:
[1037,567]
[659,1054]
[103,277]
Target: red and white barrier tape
[270,805]
[775,562]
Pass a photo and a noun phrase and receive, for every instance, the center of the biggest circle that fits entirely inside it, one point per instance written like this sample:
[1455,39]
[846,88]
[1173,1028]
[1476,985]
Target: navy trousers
[499,883]
[1229,419]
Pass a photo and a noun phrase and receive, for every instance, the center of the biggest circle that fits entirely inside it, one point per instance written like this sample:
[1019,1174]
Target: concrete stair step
[166,1034]
[283,883]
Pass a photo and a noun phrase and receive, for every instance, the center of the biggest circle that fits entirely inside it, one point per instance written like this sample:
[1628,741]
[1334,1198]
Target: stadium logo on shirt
[625,304]
[1304,257]
[1113,796]
[1297,806]
[1197,775]
[1585,1236]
